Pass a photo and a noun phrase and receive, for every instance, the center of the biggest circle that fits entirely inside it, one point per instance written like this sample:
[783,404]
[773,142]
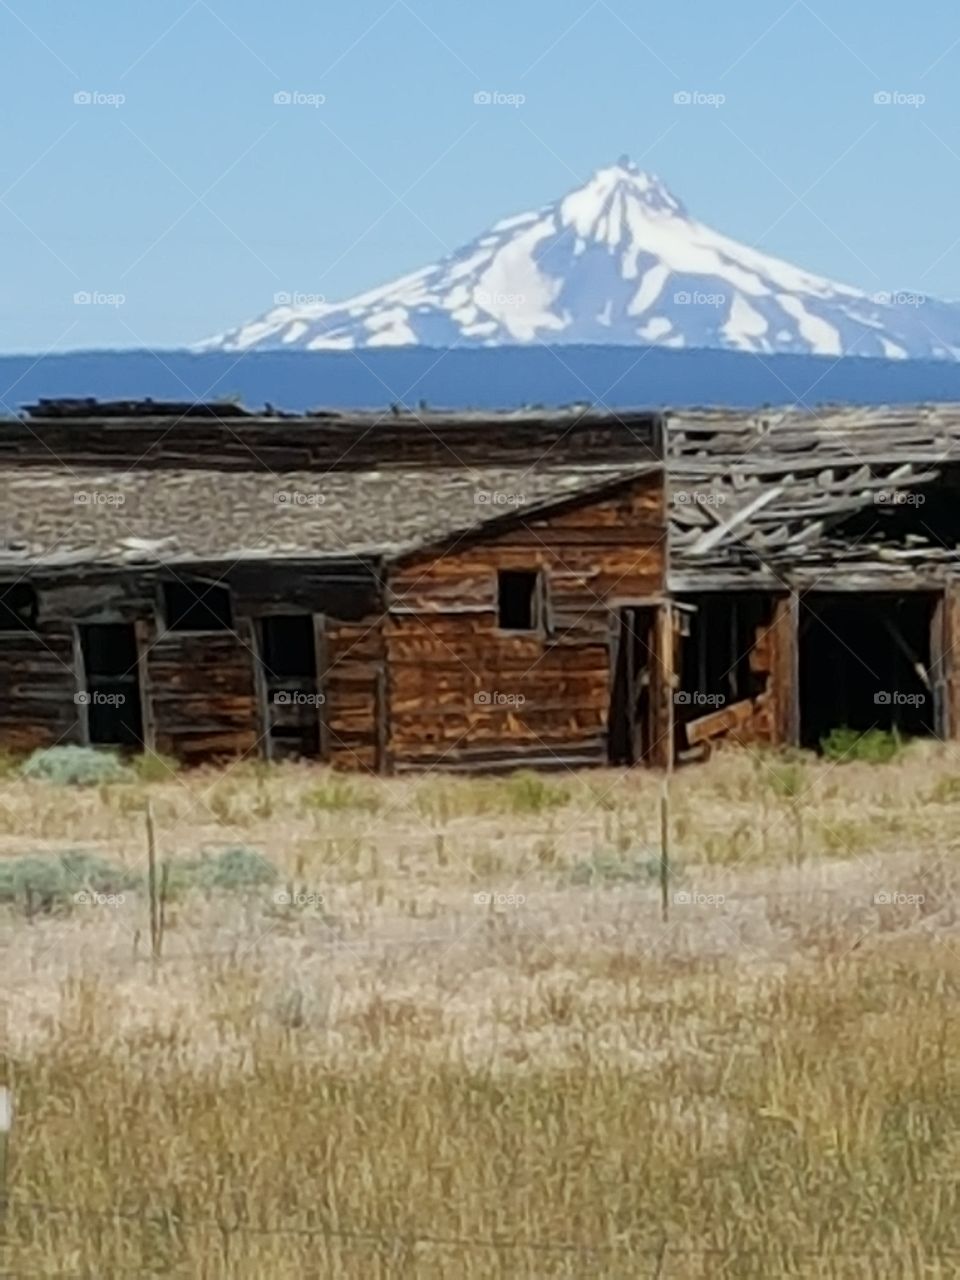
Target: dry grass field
[437,1027]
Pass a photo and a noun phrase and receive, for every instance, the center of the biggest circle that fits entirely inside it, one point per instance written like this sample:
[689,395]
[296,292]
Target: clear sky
[185,189]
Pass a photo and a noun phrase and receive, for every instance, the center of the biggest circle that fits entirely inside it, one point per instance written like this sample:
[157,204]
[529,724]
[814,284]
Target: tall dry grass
[394,1077]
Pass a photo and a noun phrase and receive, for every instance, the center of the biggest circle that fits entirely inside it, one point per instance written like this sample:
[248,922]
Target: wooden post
[155,912]
[943,629]
[6,1128]
[666,657]
[144,633]
[785,670]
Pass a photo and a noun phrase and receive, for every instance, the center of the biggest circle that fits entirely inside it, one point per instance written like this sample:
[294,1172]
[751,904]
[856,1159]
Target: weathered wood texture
[331,441]
[463,693]
[946,663]
[202,697]
[199,694]
[352,678]
[38,684]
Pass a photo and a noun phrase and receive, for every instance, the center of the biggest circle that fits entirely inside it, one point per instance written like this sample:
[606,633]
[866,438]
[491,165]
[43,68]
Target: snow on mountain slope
[617,261]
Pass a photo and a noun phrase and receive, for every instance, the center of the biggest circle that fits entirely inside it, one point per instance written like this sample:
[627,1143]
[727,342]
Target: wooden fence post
[6,1129]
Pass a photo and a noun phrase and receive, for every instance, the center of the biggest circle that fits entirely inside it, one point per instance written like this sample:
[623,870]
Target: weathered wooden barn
[474,591]
[815,570]
[383,592]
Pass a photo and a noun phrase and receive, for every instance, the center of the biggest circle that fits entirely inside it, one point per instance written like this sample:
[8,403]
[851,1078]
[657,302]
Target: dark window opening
[865,663]
[110,699]
[197,606]
[288,647]
[18,608]
[518,599]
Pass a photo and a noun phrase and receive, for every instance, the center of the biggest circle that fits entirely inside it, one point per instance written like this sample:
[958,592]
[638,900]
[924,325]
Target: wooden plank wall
[354,663]
[37,688]
[199,691]
[202,695]
[456,680]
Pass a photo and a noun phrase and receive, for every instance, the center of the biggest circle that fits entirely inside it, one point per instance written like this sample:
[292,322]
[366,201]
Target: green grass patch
[874,746]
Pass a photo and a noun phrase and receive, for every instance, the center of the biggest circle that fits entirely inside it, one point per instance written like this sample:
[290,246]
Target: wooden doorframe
[652,743]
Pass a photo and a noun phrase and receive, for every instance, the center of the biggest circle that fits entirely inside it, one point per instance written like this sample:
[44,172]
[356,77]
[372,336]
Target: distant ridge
[505,377]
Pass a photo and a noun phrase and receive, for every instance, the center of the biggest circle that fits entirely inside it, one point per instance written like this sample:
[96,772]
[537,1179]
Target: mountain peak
[619,188]
[617,261]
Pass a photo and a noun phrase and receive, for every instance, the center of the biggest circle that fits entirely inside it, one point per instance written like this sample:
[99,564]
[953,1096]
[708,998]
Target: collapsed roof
[796,497]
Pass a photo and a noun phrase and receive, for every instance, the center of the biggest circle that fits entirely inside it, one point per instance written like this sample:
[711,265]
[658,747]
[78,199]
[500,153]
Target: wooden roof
[57,517]
[766,495]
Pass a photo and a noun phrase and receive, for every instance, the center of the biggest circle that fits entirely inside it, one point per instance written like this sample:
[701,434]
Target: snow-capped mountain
[616,261]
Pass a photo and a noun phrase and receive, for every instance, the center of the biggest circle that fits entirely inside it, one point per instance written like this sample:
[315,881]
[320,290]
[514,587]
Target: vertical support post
[321,657]
[785,670]
[153,890]
[944,627]
[666,661]
[144,633]
[6,1129]
[383,719]
[80,688]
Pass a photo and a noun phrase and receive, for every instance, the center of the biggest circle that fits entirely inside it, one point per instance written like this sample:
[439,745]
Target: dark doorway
[293,700]
[633,719]
[865,663]
[109,701]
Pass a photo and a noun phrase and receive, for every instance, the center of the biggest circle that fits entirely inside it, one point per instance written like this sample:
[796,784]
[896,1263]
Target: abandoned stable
[814,573]
[380,592]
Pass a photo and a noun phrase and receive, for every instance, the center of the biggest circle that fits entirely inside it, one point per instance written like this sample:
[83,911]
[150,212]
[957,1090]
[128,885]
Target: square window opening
[196,606]
[518,599]
[18,607]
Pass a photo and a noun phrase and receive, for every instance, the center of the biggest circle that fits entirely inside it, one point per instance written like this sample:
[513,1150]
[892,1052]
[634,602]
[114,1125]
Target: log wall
[463,693]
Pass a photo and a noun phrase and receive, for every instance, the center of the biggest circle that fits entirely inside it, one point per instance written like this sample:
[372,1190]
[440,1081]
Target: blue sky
[185,190]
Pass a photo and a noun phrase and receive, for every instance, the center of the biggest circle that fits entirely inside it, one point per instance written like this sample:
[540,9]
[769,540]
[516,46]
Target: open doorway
[865,663]
[725,670]
[632,736]
[109,701]
[292,698]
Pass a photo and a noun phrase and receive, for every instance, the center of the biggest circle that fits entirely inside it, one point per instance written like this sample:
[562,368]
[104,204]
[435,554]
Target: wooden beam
[723,530]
